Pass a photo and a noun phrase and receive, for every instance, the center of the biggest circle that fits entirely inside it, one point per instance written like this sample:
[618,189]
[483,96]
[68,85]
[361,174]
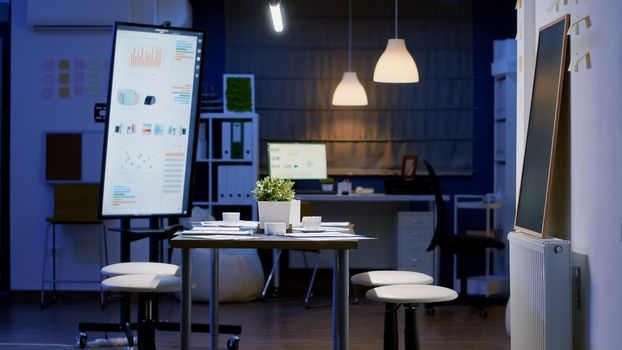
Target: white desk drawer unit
[414,233]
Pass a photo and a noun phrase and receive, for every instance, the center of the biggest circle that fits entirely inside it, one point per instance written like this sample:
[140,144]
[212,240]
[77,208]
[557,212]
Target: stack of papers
[241,223]
[217,230]
[338,223]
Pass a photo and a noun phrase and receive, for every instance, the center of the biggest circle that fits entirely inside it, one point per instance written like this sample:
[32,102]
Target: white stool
[146,285]
[390,277]
[386,278]
[141,268]
[411,296]
[147,279]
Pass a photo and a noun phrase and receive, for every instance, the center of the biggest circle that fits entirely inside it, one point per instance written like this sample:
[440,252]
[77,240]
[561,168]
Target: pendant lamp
[396,65]
[350,91]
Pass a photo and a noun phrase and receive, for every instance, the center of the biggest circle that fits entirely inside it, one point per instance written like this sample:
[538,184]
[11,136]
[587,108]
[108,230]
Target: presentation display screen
[542,128]
[297,161]
[152,119]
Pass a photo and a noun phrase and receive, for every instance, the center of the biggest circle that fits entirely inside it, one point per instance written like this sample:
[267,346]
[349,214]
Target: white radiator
[540,293]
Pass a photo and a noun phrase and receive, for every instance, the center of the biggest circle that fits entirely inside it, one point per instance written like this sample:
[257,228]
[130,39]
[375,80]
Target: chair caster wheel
[81,338]
[483,313]
[430,311]
[233,343]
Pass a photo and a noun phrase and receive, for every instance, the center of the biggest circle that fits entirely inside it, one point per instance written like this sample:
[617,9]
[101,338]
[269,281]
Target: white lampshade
[396,65]
[350,91]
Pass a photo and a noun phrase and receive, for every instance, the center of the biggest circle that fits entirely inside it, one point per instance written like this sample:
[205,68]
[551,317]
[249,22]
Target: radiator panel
[540,293]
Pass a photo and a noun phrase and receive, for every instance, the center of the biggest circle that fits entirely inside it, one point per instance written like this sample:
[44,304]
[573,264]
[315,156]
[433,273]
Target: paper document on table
[327,235]
[241,223]
[337,223]
[222,237]
[323,229]
[215,231]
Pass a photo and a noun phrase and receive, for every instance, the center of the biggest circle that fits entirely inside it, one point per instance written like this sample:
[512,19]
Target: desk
[373,197]
[375,215]
[341,247]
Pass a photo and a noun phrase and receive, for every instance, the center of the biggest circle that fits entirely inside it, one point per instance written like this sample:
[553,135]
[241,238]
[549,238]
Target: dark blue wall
[492,20]
[210,15]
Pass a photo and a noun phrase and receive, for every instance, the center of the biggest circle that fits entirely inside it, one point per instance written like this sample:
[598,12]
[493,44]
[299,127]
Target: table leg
[186,298]
[276,280]
[213,304]
[340,300]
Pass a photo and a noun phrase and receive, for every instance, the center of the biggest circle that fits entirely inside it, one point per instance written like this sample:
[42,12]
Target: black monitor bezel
[186,210]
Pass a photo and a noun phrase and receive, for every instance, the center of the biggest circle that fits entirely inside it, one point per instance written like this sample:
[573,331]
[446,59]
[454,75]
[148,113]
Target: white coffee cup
[311,222]
[274,228]
[231,217]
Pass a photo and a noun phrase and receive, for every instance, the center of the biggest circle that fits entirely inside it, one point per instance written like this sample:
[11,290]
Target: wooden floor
[274,325]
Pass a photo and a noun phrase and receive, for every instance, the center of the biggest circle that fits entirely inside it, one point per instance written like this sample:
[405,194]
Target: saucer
[230,224]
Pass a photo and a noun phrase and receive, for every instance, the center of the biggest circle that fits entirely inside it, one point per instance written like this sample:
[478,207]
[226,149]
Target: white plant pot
[287,212]
[327,187]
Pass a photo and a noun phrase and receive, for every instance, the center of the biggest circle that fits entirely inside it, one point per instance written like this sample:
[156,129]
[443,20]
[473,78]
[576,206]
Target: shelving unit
[227,163]
[503,69]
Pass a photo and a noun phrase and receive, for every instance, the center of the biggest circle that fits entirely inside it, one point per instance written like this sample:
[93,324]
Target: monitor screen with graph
[153,112]
[297,160]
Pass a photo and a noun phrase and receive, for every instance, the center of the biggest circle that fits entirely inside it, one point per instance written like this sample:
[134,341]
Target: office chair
[462,246]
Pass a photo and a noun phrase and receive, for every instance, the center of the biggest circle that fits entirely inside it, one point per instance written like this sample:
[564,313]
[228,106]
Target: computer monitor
[297,160]
[153,113]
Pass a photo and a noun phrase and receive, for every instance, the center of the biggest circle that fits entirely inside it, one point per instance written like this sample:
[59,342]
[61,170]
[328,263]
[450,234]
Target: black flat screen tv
[542,129]
[153,114]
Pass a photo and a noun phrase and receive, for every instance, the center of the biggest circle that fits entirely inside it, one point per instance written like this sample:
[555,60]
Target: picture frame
[409,166]
[538,164]
[238,93]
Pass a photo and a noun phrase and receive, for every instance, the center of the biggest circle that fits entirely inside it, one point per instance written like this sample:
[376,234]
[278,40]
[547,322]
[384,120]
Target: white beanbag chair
[240,271]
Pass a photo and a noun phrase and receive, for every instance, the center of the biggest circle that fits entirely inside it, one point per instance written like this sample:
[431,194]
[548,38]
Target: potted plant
[327,184]
[275,201]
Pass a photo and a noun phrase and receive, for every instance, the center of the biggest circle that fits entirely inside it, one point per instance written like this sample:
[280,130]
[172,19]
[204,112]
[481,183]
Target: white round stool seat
[142,283]
[390,277]
[411,294]
[141,268]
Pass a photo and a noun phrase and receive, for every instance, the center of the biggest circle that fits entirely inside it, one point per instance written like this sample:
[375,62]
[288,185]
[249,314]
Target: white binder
[226,140]
[235,183]
[249,138]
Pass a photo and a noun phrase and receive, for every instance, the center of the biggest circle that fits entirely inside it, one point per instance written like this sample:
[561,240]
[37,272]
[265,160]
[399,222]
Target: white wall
[594,187]
[34,111]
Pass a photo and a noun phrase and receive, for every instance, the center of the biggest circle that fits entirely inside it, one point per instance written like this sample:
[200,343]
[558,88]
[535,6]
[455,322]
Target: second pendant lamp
[350,91]
[396,65]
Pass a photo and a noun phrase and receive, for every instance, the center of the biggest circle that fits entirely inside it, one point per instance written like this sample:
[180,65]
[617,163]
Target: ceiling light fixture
[277,15]
[350,91]
[396,65]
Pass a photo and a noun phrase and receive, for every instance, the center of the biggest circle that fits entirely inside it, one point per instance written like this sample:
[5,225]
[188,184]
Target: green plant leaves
[274,190]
